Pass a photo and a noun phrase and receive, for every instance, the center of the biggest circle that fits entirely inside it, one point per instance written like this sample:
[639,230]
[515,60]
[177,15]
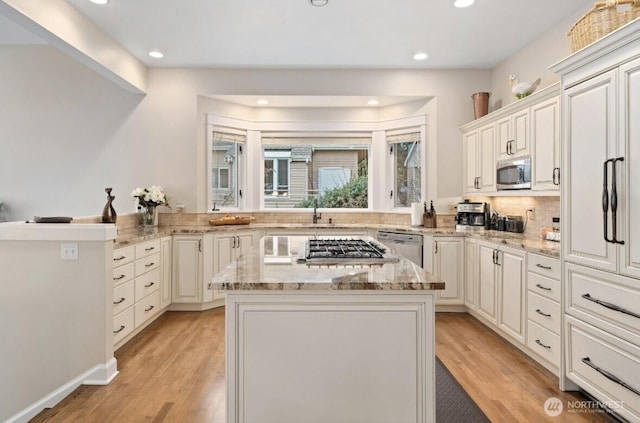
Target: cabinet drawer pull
[119,330]
[119,258]
[610,306]
[610,376]
[149,265]
[150,249]
[150,285]
[117,278]
[148,309]
[543,345]
[542,266]
[543,287]
[120,301]
[542,313]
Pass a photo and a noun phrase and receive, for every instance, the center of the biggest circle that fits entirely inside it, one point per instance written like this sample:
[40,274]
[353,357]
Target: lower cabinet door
[147,308]
[605,366]
[122,324]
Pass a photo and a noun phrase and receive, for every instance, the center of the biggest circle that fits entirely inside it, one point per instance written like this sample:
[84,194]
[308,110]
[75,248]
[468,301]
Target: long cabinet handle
[120,301]
[542,313]
[610,306]
[543,287]
[119,258]
[542,266]
[119,330]
[150,248]
[610,376]
[605,200]
[149,265]
[556,176]
[148,309]
[436,247]
[149,285]
[614,202]
[117,278]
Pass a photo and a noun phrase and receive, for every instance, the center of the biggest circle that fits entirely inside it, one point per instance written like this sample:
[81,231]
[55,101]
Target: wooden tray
[237,220]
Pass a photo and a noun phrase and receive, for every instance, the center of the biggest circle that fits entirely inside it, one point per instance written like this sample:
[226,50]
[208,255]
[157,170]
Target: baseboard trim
[102,374]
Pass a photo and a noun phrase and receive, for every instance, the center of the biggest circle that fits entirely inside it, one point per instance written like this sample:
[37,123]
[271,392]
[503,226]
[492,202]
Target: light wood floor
[174,372]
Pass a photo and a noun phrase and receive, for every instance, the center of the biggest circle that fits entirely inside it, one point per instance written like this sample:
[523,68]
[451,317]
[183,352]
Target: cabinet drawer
[123,256]
[147,264]
[123,297]
[603,364]
[122,324]
[146,284]
[147,248]
[542,285]
[147,308]
[543,265]
[544,312]
[543,342]
[604,300]
[123,274]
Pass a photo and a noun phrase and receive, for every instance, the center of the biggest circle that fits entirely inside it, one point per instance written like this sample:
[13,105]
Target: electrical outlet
[69,251]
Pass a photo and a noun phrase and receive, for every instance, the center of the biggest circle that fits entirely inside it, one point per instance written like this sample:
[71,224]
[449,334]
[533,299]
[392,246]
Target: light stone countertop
[256,270]
[507,239]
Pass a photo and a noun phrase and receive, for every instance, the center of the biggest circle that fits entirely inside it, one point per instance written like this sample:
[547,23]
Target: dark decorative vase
[109,214]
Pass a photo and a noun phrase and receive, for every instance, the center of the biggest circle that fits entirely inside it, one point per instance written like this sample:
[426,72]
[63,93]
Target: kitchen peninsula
[317,342]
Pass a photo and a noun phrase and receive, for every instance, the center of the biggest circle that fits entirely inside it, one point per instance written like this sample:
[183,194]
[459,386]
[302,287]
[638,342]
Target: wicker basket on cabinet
[603,18]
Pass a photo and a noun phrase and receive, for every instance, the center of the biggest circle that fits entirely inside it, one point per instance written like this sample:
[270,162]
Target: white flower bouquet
[150,197]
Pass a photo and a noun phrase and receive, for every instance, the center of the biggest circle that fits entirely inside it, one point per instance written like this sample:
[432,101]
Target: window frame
[235,168]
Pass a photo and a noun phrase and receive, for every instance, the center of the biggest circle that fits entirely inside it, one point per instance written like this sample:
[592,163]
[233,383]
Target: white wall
[66,133]
[532,62]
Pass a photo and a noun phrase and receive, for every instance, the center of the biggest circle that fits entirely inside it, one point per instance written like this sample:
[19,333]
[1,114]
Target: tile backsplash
[545,209]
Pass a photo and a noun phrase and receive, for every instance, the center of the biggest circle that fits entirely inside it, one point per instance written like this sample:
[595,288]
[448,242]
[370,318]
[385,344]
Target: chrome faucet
[316,216]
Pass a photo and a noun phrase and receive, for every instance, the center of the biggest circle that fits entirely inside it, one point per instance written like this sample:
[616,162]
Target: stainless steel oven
[514,174]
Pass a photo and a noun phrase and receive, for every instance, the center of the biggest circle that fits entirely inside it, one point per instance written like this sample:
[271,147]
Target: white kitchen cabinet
[227,247]
[600,202]
[187,268]
[545,145]
[165,271]
[448,265]
[501,299]
[480,166]
[487,282]
[513,135]
[470,273]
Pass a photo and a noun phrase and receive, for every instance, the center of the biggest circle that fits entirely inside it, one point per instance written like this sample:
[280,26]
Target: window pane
[224,167]
[334,174]
[224,178]
[408,173]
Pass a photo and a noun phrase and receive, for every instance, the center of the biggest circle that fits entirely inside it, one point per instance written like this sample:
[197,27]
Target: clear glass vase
[147,217]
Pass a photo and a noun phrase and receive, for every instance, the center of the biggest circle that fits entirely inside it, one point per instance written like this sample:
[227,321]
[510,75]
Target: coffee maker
[472,216]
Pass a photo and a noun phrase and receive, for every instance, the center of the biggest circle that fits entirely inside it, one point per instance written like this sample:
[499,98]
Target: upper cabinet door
[486,154]
[504,139]
[520,134]
[629,97]
[590,135]
[545,145]
[470,140]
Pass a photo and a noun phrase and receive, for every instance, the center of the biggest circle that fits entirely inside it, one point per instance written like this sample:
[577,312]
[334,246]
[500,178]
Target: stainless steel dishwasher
[404,244]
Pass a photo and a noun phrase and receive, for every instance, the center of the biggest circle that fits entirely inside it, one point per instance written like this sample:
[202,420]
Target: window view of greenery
[408,173]
[297,175]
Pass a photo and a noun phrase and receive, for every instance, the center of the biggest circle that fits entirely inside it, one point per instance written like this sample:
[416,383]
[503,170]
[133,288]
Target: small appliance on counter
[514,224]
[472,216]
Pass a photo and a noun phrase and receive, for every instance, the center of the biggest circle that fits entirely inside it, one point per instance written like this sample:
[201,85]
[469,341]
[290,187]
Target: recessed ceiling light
[420,56]
[262,102]
[156,54]
[373,102]
[463,3]
[99,1]
[319,2]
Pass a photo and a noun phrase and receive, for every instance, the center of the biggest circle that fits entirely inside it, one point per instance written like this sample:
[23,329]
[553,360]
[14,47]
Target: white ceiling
[378,34]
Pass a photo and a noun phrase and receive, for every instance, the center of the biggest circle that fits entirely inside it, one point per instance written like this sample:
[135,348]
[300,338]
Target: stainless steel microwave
[514,174]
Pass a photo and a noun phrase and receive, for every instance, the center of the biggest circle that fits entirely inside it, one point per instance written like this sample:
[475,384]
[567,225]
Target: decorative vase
[148,217]
[109,214]
[480,104]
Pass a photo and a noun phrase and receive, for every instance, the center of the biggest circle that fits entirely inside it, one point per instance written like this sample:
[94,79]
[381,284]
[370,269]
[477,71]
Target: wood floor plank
[174,371]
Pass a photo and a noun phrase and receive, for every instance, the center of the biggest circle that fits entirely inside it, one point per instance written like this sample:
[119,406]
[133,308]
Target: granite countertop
[508,239]
[258,270]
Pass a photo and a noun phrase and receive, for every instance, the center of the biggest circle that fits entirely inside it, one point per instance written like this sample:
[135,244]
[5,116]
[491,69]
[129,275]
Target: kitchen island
[325,342]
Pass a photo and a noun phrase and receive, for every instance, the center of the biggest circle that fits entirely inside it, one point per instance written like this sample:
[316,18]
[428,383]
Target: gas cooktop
[344,252]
